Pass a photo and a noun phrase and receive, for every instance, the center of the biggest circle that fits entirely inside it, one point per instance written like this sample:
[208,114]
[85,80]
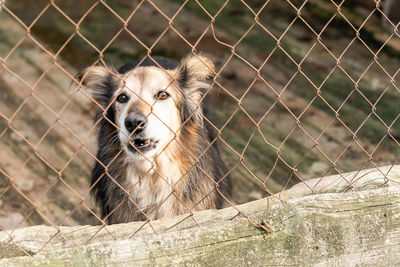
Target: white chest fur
[152,184]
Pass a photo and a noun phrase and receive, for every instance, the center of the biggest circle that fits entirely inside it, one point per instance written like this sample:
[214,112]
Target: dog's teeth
[142,143]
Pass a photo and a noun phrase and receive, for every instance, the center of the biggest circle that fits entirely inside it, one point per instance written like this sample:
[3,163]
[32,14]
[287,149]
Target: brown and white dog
[156,155]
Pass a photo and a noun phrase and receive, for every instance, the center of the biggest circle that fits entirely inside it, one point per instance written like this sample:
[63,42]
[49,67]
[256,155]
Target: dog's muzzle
[135,125]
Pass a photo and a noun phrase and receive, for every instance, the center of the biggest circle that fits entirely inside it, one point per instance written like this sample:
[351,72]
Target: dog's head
[149,105]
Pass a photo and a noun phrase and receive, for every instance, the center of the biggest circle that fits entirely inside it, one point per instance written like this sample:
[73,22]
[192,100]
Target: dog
[157,157]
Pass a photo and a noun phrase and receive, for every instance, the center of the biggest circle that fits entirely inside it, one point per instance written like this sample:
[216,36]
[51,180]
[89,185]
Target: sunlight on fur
[161,158]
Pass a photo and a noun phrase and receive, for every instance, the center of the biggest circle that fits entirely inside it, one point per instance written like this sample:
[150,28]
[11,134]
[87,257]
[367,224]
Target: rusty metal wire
[234,55]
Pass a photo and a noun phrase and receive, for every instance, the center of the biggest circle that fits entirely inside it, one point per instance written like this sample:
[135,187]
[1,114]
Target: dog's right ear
[100,82]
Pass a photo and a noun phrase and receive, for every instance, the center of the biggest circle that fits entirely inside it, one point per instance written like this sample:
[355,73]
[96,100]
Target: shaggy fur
[179,168]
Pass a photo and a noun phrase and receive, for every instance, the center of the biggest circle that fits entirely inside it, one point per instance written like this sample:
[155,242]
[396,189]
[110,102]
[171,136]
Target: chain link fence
[301,89]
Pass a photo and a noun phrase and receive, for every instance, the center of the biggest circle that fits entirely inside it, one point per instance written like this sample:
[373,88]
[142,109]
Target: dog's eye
[122,98]
[161,95]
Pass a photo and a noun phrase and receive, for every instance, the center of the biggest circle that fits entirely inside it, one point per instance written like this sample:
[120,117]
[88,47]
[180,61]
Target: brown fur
[181,173]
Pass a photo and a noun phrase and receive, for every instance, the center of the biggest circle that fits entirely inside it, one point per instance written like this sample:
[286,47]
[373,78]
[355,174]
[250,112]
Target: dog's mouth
[141,145]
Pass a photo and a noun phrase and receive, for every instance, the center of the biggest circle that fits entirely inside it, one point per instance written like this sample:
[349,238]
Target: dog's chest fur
[152,190]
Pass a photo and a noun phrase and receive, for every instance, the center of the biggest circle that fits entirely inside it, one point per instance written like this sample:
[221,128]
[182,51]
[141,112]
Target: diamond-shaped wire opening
[316,15]
[356,59]
[24,65]
[386,109]
[69,209]
[78,53]
[298,94]
[125,48]
[246,188]
[388,16]
[238,122]
[58,146]
[280,177]
[382,153]
[315,163]
[229,13]
[11,219]
[208,9]
[292,150]
[11,33]
[29,124]
[337,35]
[355,103]
[225,99]
[356,14]
[178,17]
[109,28]
[298,41]
[317,65]
[380,132]
[74,10]
[336,89]
[256,46]
[278,70]
[353,152]
[27,179]
[277,124]
[44,29]
[257,101]
[271,11]
[14,99]
[80,128]
[147,24]
[26,15]
[52,90]
[170,42]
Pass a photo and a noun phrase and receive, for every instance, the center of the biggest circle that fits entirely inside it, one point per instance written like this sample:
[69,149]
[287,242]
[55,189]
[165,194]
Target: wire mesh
[302,89]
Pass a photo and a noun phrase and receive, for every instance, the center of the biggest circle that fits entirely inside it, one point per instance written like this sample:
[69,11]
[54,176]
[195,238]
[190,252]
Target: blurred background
[305,89]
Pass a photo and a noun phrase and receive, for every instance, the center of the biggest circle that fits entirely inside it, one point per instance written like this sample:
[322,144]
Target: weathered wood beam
[337,225]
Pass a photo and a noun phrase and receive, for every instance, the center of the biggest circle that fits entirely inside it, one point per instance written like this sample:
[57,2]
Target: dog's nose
[135,122]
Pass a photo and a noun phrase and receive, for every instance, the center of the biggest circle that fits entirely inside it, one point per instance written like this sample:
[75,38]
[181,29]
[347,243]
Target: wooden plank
[334,228]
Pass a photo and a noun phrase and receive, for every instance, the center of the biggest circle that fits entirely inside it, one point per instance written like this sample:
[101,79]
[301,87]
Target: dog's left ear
[191,77]
[194,68]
